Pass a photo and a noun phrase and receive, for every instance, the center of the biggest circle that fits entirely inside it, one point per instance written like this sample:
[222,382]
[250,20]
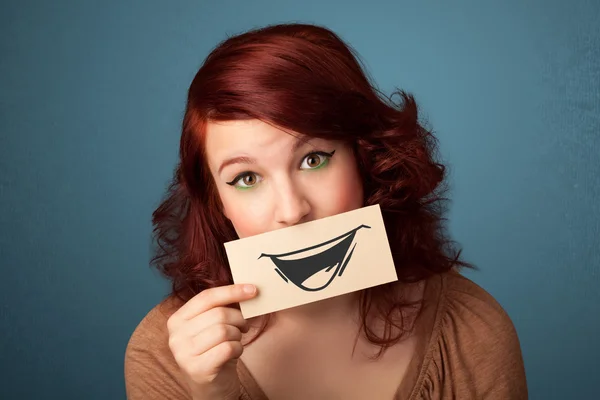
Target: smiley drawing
[314,268]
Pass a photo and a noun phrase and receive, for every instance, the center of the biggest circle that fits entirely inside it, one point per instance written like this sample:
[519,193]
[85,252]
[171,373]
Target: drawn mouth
[315,267]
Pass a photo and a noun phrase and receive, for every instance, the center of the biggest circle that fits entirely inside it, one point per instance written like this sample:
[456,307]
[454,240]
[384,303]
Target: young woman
[283,127]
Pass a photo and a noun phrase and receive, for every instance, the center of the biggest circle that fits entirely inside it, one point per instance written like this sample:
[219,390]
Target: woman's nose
[292,207]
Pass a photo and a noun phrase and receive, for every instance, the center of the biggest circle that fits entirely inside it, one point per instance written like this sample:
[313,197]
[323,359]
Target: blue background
[92,95]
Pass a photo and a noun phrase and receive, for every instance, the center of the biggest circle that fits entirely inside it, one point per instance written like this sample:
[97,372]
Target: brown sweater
[467,349]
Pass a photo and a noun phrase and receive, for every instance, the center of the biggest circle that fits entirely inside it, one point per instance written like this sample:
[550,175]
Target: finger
[216,297]
[214,336]
[214,316]
[213,359]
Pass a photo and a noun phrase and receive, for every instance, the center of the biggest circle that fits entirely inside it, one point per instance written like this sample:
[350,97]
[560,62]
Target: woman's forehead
[247,135]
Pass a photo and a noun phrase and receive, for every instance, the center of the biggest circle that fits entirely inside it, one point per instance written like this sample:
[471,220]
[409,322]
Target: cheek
[343,193]
[246,214]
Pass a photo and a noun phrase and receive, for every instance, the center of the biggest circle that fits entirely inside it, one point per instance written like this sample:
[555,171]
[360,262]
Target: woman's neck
[335,308]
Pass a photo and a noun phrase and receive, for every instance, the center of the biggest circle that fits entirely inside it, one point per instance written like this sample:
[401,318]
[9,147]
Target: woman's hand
[204,337]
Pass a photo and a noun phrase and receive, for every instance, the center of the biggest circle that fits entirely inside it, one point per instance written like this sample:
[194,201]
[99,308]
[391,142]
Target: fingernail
[249,289]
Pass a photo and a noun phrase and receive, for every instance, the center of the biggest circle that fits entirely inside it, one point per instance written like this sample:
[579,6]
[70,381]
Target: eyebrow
[236,160]
[249,160]
[301,141]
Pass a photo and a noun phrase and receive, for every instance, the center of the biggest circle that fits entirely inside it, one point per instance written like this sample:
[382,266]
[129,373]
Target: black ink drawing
[299,270]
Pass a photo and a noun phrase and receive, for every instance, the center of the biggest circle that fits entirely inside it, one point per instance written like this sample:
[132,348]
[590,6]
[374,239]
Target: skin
[286,187]
[269,179]
[289,189]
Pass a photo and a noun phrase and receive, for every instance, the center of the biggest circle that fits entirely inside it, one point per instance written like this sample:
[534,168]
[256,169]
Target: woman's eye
[245,180]
[316,160]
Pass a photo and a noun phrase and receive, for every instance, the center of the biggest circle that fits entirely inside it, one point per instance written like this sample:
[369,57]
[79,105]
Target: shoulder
[151,334]
[154,324]
[150,369]
[474,351]
[463,298]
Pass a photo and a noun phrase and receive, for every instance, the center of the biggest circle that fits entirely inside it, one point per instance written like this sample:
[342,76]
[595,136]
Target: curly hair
[304,78]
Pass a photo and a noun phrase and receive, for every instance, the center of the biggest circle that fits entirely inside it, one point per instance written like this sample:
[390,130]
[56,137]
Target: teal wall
[91,98]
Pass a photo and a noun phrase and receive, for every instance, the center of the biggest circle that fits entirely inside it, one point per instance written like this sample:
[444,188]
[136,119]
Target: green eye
[316,160]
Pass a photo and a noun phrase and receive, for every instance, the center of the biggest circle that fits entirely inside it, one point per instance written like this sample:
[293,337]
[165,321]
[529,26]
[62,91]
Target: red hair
[305,79]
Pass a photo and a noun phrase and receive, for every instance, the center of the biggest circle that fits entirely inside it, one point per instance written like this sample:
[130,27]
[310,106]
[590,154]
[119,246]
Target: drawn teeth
[301,265]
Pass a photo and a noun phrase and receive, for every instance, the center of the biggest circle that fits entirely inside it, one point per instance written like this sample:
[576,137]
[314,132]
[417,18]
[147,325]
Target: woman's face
[268,179]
